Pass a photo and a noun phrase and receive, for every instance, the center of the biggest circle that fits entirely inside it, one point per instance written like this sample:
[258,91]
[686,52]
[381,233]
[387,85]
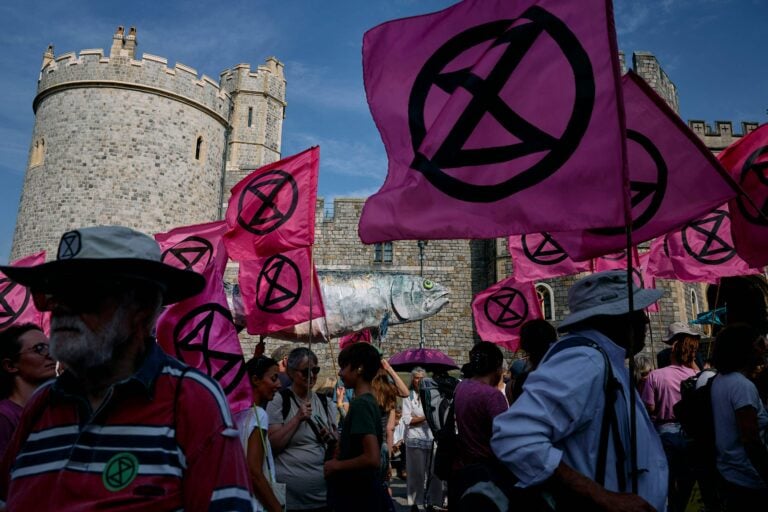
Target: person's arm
[255,461]
[648,396]
[341,405]
[408,417]
[391,431]
[562,397]
[402,389]
[369,459]
[209,439]
[749,435]
[571,480]
[280,434]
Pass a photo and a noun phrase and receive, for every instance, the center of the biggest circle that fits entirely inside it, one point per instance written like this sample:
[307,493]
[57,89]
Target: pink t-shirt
[662,390]
[476,404]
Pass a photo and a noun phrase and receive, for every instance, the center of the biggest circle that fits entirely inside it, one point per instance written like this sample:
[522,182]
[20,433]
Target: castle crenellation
[90,68]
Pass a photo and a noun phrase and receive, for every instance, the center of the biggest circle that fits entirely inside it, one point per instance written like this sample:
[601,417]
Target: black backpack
[694,412]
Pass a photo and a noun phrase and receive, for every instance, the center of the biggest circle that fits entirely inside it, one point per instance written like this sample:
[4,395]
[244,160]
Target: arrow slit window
[199,148]
[382,252]
[694,304]
[546,301]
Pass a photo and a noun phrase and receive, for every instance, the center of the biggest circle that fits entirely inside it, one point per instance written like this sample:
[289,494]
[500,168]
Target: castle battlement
[720,135]
[267,79]
[151,73]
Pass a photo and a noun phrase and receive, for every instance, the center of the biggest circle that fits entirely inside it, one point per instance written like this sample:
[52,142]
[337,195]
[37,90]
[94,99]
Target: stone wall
[721,134]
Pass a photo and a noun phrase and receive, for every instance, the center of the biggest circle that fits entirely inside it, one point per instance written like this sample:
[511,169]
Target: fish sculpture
[355,301]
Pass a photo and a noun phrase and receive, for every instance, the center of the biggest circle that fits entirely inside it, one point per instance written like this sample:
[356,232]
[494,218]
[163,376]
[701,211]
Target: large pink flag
[272,210]
[276,291]
[498,117]
[747,161]
[539,256]
[667,161]
[16,305]
[503,308]
[199,330]
[703,250]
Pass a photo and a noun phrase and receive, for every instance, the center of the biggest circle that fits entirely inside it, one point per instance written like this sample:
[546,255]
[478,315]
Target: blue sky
[713,50]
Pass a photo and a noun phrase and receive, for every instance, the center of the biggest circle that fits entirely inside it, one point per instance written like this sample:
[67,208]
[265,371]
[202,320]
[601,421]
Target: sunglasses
[40,349]
[315,370]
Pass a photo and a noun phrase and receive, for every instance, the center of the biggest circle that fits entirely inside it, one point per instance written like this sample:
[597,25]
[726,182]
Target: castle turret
[257,116]
[118,140]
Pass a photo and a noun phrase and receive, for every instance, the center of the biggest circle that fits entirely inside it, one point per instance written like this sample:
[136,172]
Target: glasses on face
[303,371]
[40,349]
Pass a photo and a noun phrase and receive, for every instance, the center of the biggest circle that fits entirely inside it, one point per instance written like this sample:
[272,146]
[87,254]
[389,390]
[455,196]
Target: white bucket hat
[605,293]
[676,328]
[91,253]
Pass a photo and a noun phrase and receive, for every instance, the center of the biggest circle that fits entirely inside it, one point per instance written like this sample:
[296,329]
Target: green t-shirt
[363,418]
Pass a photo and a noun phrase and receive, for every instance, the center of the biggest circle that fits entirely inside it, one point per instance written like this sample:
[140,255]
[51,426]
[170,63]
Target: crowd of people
[124,426]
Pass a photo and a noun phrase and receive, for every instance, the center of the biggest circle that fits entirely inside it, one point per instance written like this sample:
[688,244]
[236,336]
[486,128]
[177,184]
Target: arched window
[199,148]
[546,301]
[694,304]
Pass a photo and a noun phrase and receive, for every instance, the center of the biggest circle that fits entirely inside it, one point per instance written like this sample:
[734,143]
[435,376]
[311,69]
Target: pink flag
[647,281]
[539,256]
[503,308]
[16,305]
[272,210]
[194,247]
[667,161]
[747,161]
[199,330]
[659,261]
[276,291]
[498,118]
[703,250]
[356,337]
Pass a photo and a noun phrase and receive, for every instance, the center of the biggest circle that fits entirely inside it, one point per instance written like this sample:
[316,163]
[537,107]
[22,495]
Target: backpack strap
[610,422]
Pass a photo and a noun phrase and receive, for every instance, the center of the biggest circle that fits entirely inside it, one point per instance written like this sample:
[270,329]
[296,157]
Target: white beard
[80,348]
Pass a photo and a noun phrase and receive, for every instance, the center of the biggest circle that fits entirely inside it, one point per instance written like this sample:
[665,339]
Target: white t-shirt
[248,421]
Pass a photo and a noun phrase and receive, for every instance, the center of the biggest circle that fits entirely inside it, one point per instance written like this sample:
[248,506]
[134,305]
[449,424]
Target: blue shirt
[559,416]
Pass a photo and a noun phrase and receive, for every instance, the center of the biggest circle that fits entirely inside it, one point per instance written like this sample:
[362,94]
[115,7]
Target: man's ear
[9,366]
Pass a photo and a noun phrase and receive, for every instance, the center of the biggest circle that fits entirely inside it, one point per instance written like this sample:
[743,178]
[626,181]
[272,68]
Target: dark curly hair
[484,358]
[734,348]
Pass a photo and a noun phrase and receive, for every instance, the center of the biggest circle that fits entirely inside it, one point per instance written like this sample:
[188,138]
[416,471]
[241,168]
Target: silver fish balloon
[355,301]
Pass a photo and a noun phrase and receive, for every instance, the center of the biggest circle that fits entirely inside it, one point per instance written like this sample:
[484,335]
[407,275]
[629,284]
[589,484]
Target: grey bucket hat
[605,293]
[96,252]
[676,328]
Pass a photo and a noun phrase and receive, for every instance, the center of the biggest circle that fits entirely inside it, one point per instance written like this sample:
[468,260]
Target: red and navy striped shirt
[163,439]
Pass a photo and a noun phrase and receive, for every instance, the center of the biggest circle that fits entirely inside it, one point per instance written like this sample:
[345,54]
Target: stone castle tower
[121,140]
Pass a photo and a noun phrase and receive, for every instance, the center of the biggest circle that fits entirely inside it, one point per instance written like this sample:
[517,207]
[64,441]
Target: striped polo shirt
[163,439]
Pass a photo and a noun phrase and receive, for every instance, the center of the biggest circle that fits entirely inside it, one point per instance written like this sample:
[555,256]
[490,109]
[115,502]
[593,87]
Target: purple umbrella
[430,359]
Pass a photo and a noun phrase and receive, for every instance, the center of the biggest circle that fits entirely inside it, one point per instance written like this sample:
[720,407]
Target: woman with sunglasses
[302,429]
[253,425]
[26,364]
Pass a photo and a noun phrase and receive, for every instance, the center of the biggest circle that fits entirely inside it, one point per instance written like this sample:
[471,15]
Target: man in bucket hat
[570,428]
[125,427]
